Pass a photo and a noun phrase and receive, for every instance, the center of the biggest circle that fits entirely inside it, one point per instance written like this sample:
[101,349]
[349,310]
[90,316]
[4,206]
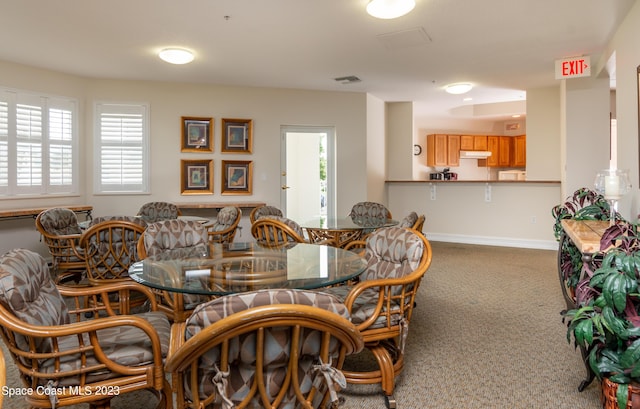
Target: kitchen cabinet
[519,151]
[473,143]
[500,147]
[443,150]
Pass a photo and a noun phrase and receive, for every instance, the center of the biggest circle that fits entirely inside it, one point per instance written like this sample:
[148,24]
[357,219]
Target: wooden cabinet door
[504,157]
[453,150]
[519,151]
[480,143]
[493,146]
[437,150]
[467,143]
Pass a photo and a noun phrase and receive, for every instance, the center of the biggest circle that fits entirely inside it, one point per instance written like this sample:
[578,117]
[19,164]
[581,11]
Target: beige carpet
[487,333]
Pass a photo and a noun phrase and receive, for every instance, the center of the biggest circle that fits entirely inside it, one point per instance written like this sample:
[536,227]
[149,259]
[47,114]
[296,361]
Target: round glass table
[221,269]
[343,230]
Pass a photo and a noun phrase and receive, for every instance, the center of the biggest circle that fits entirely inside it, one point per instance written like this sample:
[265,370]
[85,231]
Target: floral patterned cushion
[60,221]
[369,209]
[169,235]
[267,211]
[226,217]
[243,348]
[157,211]
[28,291]
[409,220]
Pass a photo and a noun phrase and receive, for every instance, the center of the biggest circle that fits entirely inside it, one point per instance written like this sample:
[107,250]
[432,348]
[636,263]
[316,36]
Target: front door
[307,172]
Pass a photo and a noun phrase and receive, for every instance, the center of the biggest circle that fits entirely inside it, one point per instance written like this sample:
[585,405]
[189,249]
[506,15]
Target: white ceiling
[503,47]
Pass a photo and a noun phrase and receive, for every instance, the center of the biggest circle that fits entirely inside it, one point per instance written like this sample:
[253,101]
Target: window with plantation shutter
[38,144]
[122,148]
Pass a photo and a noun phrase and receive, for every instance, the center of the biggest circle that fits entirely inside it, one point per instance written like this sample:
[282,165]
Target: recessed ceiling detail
[405,38]
[349,79]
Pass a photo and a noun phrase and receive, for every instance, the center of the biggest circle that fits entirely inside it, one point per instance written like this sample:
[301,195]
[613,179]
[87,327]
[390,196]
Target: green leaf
[583,332]
[613,323]
[622,394]
[615,291]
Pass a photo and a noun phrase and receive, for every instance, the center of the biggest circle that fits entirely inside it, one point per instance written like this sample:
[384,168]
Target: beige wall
[269,109]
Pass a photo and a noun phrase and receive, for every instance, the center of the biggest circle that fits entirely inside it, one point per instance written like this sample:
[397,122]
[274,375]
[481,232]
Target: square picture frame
[237,135]
[197,134]
[237,177]
[196,177]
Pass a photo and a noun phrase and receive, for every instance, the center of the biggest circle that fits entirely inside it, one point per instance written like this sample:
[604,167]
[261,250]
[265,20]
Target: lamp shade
[388,9]
[176,55]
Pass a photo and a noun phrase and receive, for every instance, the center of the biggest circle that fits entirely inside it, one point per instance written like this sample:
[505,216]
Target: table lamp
[612,184]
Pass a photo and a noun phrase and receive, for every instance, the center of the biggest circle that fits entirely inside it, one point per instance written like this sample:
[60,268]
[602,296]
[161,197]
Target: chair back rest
[28,291]
[131,219]
[393,252]
[224,228]
[172,237]
[272,337]
[266,210]
[409,220]
[157,211]
[110,247]
[276,231]
[370,209]
[58,221]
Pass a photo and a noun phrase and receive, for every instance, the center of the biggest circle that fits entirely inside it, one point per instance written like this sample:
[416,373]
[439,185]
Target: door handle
[285,187]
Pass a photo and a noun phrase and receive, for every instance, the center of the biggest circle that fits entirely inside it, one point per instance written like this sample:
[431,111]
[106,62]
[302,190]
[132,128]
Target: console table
[34,212]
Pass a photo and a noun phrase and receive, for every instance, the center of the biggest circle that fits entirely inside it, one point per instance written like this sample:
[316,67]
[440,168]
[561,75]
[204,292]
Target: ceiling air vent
[349,79]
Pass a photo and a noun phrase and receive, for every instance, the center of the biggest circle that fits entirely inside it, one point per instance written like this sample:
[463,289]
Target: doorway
[308,172]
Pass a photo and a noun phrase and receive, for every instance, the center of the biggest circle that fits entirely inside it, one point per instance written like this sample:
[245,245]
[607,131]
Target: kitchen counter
[477,181]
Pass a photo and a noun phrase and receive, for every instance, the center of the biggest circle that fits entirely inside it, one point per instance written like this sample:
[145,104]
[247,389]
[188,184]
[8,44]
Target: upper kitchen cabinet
[443,150]
[473,143]
[519,151]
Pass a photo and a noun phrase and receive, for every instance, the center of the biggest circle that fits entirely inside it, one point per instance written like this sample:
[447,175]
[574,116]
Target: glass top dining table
[222,269]
[343,230]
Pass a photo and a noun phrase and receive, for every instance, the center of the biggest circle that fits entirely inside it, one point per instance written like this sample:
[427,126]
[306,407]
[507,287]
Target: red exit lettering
[573,67]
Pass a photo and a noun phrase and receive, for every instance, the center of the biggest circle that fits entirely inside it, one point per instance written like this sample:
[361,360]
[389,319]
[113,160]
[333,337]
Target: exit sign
[573,67]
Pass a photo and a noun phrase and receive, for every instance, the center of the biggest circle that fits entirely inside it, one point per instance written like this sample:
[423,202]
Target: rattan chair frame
[90,312]
[67,259]
[169,302]
[227,235]
[185,354]
[385,343]
[256,210]
[274,233]
[110,266]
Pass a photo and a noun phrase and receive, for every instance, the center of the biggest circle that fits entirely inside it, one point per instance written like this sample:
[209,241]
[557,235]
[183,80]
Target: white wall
[375,168]
[399,140]
[626,45]
[544,151]
[269,109]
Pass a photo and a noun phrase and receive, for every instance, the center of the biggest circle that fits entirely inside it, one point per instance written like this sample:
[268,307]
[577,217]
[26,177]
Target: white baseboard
[494,241]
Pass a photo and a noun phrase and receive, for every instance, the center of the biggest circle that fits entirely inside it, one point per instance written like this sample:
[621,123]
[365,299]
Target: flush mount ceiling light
[388,9]
[176,55]
[460,88]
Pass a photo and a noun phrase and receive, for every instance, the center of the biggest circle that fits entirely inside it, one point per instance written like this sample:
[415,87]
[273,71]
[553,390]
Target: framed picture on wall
[237,177]
[197,134]
[237,135]
[196,177]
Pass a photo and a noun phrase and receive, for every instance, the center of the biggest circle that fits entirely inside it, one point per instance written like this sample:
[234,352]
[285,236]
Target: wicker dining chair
[265,210]
[157,211]
[276,231]
[110,247]
[381,303]
[223,230]
[169,239]
[61,233]
[73,347]
[268,348]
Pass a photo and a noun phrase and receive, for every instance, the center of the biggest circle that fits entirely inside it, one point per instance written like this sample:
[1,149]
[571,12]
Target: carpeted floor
[486,333]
